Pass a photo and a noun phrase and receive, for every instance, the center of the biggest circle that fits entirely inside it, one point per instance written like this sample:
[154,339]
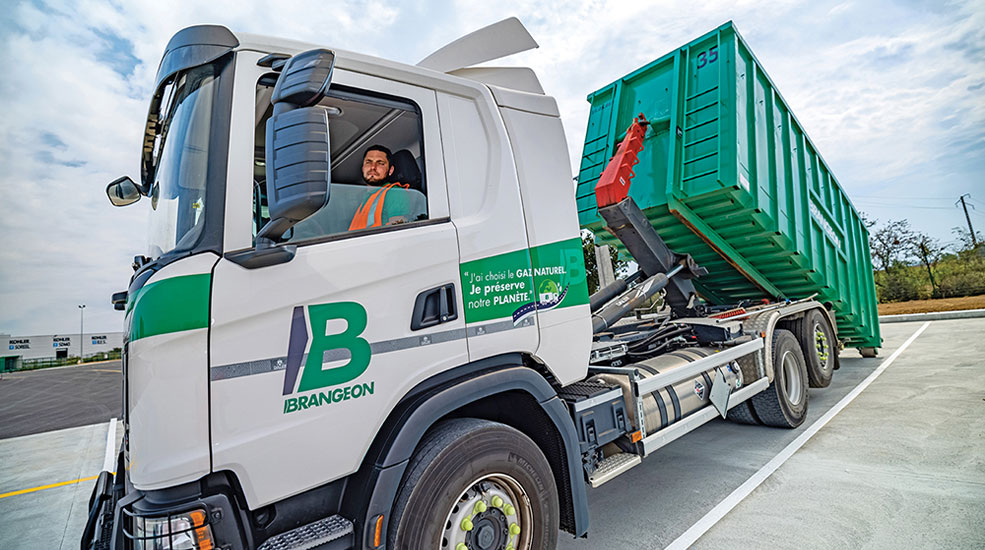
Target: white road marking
[702,526]
[110,458]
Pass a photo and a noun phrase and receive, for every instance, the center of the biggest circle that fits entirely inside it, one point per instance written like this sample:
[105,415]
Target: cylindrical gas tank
[672,403]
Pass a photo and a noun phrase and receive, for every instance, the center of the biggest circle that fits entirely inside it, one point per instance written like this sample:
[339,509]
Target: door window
[377,154]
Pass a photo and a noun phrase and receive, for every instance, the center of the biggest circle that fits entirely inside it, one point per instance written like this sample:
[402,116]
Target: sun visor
[195,46]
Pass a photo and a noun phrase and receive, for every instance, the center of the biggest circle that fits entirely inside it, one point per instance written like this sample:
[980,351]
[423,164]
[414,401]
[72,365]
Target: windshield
[176,159]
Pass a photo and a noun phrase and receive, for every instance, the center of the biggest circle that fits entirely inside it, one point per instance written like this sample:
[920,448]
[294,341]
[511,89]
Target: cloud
[892,94]
[74,109]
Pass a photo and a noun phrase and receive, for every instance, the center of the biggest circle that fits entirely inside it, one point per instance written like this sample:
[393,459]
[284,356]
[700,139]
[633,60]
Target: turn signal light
[378,536]
[202,535]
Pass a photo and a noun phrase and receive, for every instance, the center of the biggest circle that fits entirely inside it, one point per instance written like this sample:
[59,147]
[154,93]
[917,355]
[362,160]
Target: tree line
[911,265]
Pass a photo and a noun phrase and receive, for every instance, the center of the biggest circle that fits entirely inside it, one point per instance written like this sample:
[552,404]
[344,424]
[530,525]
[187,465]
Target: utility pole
[82,311]
[974,241]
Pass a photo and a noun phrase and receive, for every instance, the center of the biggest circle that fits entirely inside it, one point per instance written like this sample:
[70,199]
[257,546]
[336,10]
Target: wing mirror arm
[265,254]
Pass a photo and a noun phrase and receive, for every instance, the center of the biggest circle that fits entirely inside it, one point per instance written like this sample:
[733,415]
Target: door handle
[433,307]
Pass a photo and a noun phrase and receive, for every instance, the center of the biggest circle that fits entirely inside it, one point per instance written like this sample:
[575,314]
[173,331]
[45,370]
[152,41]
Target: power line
[894,197]
[904,206]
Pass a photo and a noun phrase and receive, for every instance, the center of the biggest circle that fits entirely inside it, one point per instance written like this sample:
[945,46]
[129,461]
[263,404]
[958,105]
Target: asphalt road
[52,399]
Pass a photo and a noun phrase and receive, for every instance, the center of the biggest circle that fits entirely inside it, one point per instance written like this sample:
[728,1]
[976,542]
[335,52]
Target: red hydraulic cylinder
[613,184]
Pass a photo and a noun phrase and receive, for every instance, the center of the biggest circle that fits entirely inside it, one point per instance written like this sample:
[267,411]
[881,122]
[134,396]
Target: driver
[378,209]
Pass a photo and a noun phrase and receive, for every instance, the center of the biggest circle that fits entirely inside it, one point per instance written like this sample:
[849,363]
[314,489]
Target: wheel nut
[514,529]
[480,507]
[497,502]
[466,524]
[509,510]
[461,546]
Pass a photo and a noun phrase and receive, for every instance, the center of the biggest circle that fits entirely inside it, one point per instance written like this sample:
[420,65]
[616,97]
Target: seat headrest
[405,169]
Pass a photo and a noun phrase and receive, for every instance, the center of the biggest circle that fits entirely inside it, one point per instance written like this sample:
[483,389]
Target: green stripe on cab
[170,305]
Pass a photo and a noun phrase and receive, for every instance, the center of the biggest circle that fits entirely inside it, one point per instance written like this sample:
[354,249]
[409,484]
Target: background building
[58,346]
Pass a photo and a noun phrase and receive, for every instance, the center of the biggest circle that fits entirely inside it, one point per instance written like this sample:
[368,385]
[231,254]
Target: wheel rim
[494,513]
[821,346]
[793,386]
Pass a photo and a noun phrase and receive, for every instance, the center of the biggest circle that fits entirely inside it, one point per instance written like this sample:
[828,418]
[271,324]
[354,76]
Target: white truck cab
[316,360]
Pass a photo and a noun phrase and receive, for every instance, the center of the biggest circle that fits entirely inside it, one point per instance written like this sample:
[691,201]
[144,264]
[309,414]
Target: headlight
[181,531]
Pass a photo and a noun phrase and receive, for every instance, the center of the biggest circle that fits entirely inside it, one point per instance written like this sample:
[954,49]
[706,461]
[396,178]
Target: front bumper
[99,527]
[115,506]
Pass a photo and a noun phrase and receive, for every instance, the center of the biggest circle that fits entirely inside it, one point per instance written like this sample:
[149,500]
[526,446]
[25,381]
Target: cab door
[308,357]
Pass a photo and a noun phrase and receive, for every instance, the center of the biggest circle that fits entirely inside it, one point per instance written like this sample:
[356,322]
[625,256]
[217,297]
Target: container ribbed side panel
[728,176]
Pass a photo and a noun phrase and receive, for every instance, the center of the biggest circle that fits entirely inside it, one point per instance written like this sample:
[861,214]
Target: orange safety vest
[372,207]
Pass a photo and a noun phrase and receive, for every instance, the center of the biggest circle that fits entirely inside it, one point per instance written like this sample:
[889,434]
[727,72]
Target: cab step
[329,533]
[612,466]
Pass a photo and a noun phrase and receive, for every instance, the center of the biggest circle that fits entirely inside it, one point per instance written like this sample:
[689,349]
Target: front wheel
[477,485]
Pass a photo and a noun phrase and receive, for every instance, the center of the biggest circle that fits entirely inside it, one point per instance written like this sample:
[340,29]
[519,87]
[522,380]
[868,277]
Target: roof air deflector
[495,41]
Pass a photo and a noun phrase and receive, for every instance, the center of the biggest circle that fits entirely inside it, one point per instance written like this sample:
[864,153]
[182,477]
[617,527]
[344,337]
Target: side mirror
[298,156]
[122,191]
[304,79]
[298,168]
[119,300]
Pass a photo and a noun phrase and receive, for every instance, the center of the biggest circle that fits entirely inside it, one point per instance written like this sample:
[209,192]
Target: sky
[891,92]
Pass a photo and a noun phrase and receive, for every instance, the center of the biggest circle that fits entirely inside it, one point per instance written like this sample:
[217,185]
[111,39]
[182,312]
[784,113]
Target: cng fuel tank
[670,404]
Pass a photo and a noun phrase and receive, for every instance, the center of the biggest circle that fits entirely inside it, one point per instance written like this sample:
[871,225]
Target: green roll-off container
[728,175]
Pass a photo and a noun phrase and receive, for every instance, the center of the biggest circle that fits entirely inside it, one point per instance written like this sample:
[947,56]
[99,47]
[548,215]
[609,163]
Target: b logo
[314,375]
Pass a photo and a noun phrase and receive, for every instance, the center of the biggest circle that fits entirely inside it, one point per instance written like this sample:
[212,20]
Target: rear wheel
[742,414]
[817,341]
[477,485]
[784,403]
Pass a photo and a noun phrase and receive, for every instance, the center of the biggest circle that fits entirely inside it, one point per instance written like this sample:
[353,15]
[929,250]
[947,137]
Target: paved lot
[903,465]
[53,399]
[49,518]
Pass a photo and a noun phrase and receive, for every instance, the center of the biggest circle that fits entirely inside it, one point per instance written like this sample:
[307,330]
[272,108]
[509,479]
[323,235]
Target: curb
[933,316]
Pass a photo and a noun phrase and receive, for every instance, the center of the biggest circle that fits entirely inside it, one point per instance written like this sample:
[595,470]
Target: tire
[743,414]
[817,341]
[784,403]
[476,471]
[868,353]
